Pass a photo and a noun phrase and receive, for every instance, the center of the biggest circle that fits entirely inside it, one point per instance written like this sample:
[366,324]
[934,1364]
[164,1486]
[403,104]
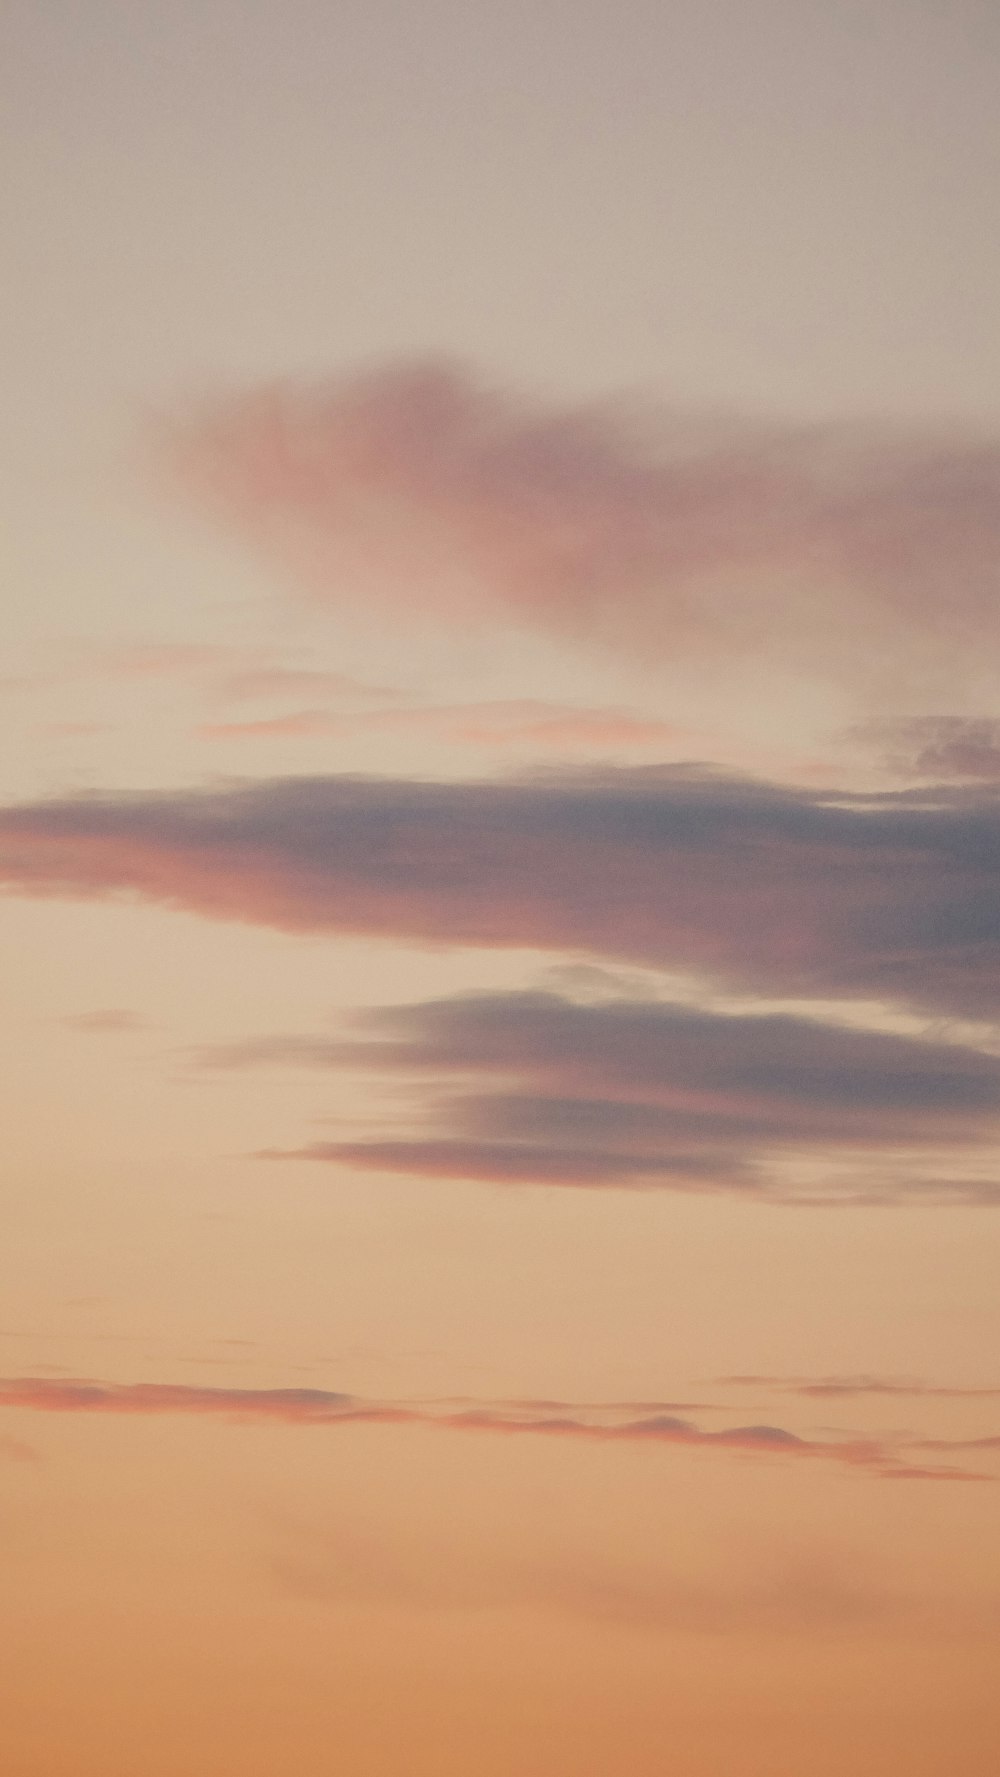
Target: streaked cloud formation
[315,1406]
[632,1093]
[758,886]
[428,490]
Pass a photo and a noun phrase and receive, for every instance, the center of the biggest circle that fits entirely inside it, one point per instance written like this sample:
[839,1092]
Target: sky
[499,839]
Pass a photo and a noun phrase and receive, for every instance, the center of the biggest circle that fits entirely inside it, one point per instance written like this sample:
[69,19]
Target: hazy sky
[500,1068]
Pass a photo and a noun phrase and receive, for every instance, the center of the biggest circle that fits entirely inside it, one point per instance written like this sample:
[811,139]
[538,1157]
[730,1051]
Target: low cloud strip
[321,1407]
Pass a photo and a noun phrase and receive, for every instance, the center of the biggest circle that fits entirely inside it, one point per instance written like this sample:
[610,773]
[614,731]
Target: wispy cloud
[269,682]
[846,1387]
[515,723]
[760,886]
[16,1450]
[938,747]
[108,1021]
[651,531]
[342,1562]
[321,1407]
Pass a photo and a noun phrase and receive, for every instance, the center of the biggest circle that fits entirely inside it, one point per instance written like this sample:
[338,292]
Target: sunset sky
[499,840]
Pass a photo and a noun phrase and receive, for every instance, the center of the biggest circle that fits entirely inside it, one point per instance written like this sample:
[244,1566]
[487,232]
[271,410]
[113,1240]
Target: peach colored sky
[499,845]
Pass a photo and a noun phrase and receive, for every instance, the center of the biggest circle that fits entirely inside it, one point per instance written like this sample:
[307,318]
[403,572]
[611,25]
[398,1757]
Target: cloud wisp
[532,1087]
[521,722]
[962,748]
[15,1450]
[107,1021]
[849,1387]
[658,532]
[757,886]
[879,1458]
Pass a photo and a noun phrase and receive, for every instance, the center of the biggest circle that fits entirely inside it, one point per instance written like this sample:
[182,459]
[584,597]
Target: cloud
[520,722]
[939,747]
[422,489]
[15,1450]
[230,673]
[156,660]
[315,1407]
[345,1561]
[519,1162]
[107,1021]
[632,1093]
[754,885]
[837,1387]
[258,683]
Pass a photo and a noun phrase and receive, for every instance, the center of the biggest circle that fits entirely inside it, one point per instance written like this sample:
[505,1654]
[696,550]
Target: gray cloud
[939,747]
[779,890]
[626,1093]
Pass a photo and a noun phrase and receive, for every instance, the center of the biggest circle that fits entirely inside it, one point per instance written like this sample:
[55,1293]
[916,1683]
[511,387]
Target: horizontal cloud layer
[760,886]
[632,1093]
[314,1406]
[422,488]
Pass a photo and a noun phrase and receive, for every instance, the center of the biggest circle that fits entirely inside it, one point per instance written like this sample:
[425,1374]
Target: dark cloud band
[763,887]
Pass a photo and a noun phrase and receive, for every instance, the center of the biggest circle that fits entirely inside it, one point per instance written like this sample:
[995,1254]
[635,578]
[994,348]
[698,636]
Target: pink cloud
[15,1450]
[426,491]
[496,724]
[252,684]
[320,1407]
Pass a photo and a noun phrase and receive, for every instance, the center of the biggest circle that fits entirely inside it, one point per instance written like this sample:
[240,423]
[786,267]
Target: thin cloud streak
[313,1406]
[847,1387]
[108,1021]
[523,722]
[519,1163]
[783,891]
